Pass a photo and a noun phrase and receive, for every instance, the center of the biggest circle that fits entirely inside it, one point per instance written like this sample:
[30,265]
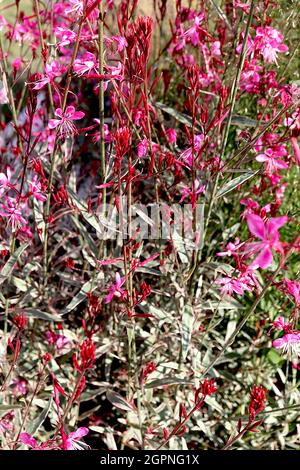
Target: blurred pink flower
[267,231]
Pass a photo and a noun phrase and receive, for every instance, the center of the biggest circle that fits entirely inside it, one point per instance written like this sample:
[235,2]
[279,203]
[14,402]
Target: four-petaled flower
[65,124]
[72,441]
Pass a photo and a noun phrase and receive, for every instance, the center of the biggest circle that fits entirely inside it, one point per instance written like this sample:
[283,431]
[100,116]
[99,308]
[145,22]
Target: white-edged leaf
[40,315]
[35,425]
[232,184]
[118,401]
[9,265]
[168,380]
[89,286]
[186,329]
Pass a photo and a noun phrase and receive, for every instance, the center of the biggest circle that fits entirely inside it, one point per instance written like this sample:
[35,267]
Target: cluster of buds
[86,356]
[257,401]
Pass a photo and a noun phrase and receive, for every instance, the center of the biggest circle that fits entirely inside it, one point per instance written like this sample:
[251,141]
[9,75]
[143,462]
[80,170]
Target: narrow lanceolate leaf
[181,117]
[186,329]
[232,184]
[89,286]
[9,266]
[243,121]
[38,314]
[10,407]
[83,209]
[118,401]
[167,381]
[35,425]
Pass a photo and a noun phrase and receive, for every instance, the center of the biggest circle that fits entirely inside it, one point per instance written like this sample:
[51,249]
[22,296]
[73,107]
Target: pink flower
[293,288]
[171,136]
[193,33]
[187,154]
[231,248]
[116,289]
[5,181]
[87,64]
[97,135]
[289,343]
[52,70]
[19,386]
[65,36]
[270,157]
[72,441]
[12,212]
[231,285]
[192,193]
[3,22]
[35,189]
[28,440]
[281,324]
[119,40]
[7,422]
[3,95]
[268,41]
[268,233]
[65,123]
[142,148]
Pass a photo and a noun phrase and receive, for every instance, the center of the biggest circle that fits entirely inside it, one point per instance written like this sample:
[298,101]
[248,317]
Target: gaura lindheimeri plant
[149,225]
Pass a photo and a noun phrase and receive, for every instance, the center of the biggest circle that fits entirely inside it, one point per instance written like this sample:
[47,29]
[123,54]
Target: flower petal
[256,226]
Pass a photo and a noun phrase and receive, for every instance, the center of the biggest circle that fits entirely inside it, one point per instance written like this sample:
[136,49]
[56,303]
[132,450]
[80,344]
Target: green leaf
[118,401]
[274,357]
[181,117]
[186,329]
[36,313]
[9,266]
[169,380]
[37,423]
[89,286]
[10,407]
[232,184]
[243,121]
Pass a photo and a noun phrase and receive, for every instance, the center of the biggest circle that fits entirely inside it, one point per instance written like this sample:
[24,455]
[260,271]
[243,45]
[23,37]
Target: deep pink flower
[267,231]
[116,289]
[231,248]
[86,64]
[238,285]
[272,160]
[28,440]
[289,343]
[12,212]
[120,41]
[193,193]
[171,135]
[72,441]
[52,70]
[281,324]
[268,41]
[193,32]
[293,289]
[65,123]
[187,154]
[142,148]
[35,188]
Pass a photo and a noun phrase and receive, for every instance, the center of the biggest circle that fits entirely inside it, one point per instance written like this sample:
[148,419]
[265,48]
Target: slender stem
[233,95]
[43,47]
[52,165]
